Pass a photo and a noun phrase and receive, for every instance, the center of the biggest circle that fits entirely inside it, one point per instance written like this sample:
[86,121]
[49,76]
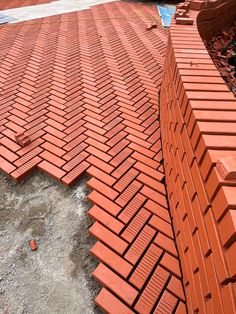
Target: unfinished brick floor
[84,87]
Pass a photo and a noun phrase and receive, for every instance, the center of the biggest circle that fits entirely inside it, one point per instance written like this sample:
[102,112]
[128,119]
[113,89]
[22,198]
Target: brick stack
[199,147]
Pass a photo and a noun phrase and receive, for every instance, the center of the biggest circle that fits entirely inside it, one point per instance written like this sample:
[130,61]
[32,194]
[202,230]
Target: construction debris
[33,245]
[222,50]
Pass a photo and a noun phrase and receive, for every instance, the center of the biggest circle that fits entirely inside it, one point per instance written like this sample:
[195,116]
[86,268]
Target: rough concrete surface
[57,277]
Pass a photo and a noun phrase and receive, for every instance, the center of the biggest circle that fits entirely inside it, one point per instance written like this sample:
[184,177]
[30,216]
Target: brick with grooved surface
[152,291]
[136,225]
[128,193]
[140,245]
[110,258]
[146,266]
[116,284]
[26,168]
[126,180]
[109,238]
[132,208]
[75,173]
[166,304]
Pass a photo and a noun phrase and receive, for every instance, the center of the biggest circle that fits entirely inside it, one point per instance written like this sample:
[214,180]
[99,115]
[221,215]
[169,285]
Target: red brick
[155,196]
[26,168]
[111,259]
[102,188]
[227,228]
[126,180]
[172,264]
[106,219]
[154,184]
[107,237]
[51,169]
[105,203]
[162,226]
[128,193]
[149,171]
[6,166]
[123,168]
[132,208]
[114,283]
[181,308]
[140,244]
[71,177]
[99,174]
[100,164]
[9,155]
[166,243]
[145,267]
[152,291]
[167,303]
[175,287]
[52,159]
[136,225]
[110,304]
[147,161]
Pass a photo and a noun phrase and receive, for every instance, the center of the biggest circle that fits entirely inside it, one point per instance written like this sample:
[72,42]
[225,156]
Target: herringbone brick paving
[10,4]
[84,88]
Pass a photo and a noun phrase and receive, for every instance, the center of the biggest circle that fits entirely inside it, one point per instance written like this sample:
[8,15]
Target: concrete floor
[57,277]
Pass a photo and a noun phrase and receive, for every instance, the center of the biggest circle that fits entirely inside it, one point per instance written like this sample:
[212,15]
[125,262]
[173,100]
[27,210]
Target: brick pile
[222,50]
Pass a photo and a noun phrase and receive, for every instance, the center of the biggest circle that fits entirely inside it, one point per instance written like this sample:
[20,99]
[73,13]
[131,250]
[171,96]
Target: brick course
[197,111]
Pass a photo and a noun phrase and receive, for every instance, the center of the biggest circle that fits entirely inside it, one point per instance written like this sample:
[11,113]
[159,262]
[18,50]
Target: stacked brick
[199,148]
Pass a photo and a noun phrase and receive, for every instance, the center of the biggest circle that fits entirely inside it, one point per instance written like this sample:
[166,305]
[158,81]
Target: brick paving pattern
[10,4]
[82,89]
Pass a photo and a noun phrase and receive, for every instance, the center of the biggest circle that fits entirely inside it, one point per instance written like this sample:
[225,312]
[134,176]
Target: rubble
[222,50]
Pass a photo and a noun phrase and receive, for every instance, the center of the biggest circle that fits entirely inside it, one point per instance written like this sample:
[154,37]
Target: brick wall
[198,115]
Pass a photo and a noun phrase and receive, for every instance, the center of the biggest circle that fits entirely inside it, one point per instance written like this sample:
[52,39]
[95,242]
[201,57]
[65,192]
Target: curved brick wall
[198,115]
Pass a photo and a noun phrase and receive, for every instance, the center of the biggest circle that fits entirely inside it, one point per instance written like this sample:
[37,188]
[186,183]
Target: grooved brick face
[84,88]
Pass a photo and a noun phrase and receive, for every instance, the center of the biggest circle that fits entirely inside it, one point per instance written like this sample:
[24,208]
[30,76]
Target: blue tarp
[166,12]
